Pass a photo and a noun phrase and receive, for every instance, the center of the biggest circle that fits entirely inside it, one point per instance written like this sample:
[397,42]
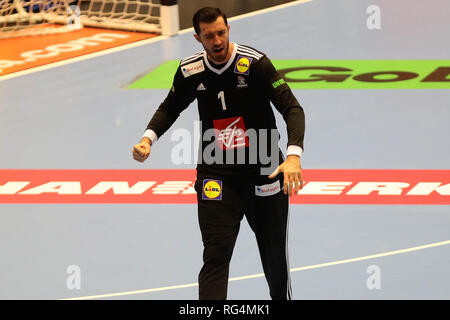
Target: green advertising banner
[335,74]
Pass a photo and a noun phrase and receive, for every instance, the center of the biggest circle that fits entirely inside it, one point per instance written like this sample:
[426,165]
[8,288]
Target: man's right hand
[141,151]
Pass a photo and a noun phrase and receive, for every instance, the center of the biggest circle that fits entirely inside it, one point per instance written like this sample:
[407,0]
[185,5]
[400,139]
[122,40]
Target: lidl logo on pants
[212,189]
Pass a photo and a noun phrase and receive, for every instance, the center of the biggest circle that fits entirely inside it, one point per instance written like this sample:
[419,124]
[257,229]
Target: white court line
[260,275]
[136,44]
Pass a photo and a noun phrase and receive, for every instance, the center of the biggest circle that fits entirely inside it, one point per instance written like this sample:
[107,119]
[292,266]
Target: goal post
[170,20]
[35,17]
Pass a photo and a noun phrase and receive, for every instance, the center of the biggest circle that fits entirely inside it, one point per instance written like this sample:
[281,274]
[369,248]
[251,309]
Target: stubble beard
[221,58]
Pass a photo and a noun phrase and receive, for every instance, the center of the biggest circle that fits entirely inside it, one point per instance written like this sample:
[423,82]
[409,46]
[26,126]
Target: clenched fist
[141,151]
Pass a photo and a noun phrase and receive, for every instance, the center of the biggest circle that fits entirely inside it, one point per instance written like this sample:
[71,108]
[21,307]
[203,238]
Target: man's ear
[197,37]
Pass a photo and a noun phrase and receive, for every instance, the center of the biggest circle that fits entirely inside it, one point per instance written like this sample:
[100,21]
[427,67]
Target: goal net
[36,17]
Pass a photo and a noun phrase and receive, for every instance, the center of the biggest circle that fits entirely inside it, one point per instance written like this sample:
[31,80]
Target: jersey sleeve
[178,99]
[283,100]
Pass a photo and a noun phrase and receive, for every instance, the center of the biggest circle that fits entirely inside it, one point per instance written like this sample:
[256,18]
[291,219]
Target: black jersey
[238,126]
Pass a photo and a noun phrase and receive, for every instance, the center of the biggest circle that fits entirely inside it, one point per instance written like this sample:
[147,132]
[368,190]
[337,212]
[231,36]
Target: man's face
[214,38]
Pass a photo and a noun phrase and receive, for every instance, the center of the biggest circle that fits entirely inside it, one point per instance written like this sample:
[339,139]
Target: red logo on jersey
[231,133]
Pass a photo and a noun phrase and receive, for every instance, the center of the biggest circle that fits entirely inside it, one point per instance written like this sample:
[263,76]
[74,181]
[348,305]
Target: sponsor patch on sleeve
[278,83]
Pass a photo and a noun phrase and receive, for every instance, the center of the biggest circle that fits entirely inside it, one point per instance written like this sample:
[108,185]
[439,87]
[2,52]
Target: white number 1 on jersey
[221,96]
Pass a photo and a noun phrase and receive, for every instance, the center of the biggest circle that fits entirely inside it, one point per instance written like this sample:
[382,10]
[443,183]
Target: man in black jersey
[238,171]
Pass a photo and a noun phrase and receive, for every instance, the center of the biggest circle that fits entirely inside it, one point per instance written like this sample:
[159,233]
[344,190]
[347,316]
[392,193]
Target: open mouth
[218,50]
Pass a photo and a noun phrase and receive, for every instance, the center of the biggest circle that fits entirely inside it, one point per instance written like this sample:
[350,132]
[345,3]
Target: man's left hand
[293,178]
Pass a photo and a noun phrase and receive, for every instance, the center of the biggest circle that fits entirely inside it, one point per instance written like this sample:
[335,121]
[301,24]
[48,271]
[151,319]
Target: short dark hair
[207,15]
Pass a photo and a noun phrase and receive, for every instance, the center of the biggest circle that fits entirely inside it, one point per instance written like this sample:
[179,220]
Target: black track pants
[220,212]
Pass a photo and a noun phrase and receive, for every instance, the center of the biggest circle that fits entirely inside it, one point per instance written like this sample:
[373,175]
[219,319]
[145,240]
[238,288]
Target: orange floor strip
[17,54]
